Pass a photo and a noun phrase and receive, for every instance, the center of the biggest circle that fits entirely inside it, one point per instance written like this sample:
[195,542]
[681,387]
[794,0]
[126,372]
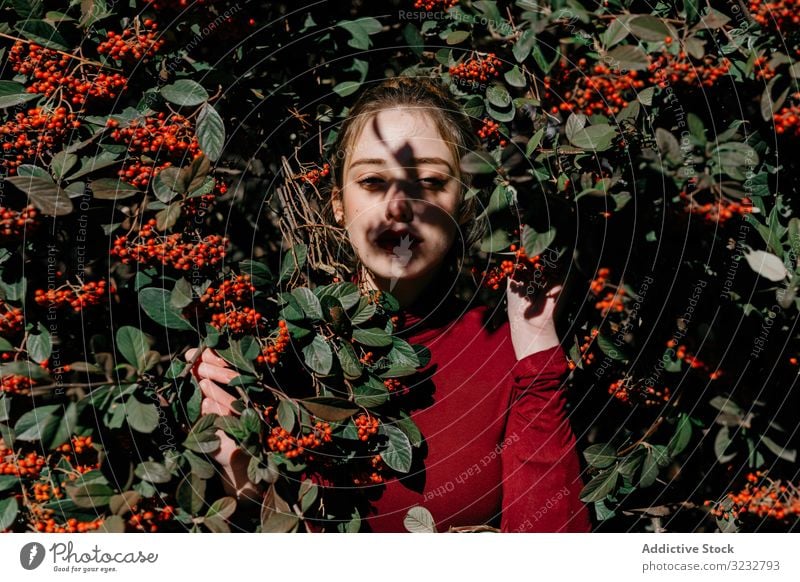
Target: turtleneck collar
[432,310]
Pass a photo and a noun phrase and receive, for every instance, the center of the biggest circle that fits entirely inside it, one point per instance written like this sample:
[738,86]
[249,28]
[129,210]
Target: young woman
[498,447]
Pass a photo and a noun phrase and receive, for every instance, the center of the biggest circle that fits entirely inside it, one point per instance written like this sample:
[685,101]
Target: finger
[210,357]
[189,355]
[216,373]
[211,406]
[211,390]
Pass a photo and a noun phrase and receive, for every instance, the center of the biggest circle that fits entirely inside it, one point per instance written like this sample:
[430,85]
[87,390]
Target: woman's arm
[541,470]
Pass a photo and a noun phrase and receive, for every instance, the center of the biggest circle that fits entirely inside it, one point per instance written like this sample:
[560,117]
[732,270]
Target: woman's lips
[393,243]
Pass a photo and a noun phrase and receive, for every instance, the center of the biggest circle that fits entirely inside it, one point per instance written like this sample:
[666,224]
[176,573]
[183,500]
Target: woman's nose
[398,207]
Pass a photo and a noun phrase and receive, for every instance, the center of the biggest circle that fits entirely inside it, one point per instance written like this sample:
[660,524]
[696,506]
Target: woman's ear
[338,205]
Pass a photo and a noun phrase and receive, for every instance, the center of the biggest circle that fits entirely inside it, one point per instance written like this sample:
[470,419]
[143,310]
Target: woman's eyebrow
[416,161]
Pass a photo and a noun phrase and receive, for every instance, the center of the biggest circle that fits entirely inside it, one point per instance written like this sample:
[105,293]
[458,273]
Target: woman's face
[400,197]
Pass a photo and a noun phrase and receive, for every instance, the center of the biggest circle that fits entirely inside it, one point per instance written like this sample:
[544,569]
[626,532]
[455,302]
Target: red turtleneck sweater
[499,448]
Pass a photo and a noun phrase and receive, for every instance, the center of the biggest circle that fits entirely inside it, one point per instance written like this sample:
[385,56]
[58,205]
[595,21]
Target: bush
[151,152]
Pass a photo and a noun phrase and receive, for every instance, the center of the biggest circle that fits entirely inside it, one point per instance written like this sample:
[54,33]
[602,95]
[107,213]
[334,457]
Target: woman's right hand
[212,371]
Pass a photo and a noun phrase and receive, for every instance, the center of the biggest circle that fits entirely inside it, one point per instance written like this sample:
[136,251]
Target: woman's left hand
[531,312]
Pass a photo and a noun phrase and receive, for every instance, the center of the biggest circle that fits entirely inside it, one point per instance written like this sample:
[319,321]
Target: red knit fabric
[499,448]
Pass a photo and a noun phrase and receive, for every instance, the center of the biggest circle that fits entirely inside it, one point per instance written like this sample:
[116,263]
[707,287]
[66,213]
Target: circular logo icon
[31,555]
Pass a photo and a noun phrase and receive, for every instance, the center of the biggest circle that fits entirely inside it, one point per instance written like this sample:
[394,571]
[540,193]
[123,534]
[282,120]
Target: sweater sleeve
[541,470]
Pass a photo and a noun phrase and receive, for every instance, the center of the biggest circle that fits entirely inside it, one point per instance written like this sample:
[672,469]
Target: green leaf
[210,132]
[185,93]
[649,468]
[649,27]
[191,494]
[156,304]
[153,472]
[42,33]
[142,416]
[419,520]
[478,163]
[600,456]
[598,137]
[202,442]
[683,434]
[319,356]
[721,443]
[397,454]
[112,189]
[498,95]
[348,359]
[218,514]
[62,163]
[38,424]
[331,409]
[536,243]
[39,344]
[515,78]
[308,303]
[372,336]
[600,486]
[8,512]
[346,88]
[370,393]
[629,57]
[293,260]
[286,415]
[45,194]
[457,36]
[133,345]
[7,101]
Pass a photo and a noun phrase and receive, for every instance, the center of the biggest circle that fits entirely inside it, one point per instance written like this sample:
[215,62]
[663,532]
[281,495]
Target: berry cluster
[586,355]
[132,44]
[612,302]
[787,119]
[238,320]
[51,73]
[28,466]
[78,298]
[154,136]
[603,91]
[599,283]
[33,134]
[80,453]
[270,354]
[762,69]
[761,497]
[691,360]
[199,206]
[372,476]
[781,15]
[367,426]
[16,384]
[490,133]
[178,5]
[717,212]
[367,359]
[12,319]
[493,278]
[230,293]
[281,441]
[148,247]
[44,492]
[627,392]
[17,224]
[149,520]
[315,175]
[72,525]
[477,69]
[429,5]
[669,69]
